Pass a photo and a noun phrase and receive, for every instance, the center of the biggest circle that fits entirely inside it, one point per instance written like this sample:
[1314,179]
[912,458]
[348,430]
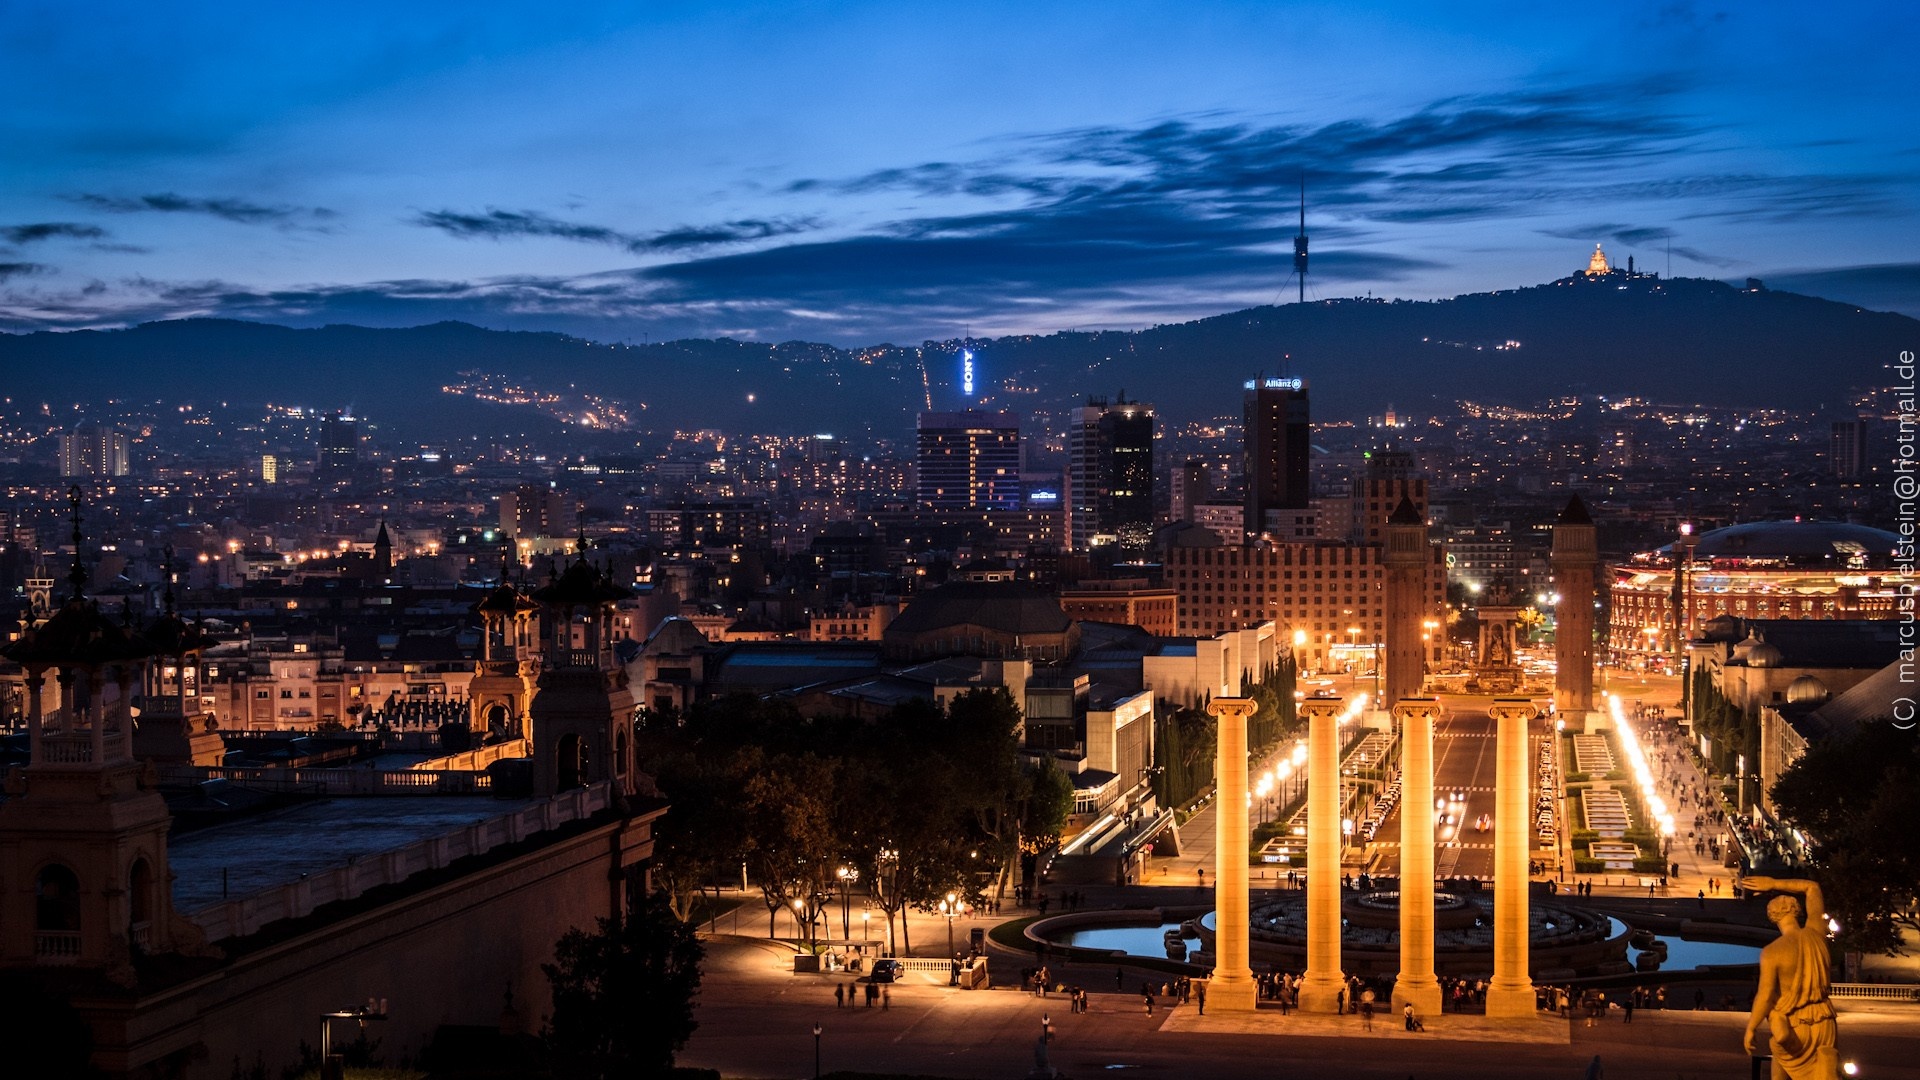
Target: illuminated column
[1511,992]
[1231,989]
[1416,983]
[1405,556]
[1575,558]
[1322,983]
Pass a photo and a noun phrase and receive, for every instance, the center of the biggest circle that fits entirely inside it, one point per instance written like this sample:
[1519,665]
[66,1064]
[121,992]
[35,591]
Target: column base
[1232,993]
[1424,995]
[1512,1002]
[1321,993]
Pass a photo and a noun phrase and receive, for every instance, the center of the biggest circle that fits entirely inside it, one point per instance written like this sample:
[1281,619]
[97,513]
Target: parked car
[884,971]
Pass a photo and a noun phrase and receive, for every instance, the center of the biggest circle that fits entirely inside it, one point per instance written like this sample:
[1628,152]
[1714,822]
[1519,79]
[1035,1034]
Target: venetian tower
[172,728]
[1405,557]
[83,832]
[582,711]
[1575,557]
[503,678]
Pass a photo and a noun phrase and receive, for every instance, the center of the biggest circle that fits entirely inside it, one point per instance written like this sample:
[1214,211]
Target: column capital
[1513,709]
[1235,707]
[1315,708]
[1427,707]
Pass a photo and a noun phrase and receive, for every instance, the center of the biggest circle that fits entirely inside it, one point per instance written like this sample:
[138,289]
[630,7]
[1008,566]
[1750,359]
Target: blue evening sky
[854,172]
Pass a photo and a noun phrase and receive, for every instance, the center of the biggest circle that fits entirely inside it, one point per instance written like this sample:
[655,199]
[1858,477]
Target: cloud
[11,270]
[1880,286]
[1636,236]
[48,230]
[225,208]
[496,224]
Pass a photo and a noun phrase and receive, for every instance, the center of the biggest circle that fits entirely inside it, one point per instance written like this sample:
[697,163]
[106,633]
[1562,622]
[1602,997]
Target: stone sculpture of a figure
[1792,1000]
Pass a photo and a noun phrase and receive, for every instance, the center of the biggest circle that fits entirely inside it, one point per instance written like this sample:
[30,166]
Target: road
[1463,764]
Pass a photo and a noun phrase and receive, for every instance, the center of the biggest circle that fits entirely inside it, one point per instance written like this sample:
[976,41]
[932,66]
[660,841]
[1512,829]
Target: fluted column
[1416,983]
[1323,981]
[1510,994]
[1231,989]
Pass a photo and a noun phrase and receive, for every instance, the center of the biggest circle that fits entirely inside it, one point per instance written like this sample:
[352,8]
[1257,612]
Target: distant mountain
[1684,340]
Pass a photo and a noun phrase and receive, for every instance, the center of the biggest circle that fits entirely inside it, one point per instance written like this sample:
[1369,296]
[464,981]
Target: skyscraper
[969,460]
[1110,451]
[339,446]
[1849,449]
[90,450]
[1275,448]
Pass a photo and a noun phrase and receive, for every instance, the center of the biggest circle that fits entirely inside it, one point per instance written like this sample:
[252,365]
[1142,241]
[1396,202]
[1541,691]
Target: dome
[1825,540]
[1765,655]
[1745,646]
[1807,690]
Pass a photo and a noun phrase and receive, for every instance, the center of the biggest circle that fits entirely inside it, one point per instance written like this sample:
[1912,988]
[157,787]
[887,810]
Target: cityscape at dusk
[884,542]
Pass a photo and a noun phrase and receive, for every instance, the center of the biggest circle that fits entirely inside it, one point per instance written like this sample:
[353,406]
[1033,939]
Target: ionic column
[1510,994]
[1232,988]
[1416,983]
[1321,985]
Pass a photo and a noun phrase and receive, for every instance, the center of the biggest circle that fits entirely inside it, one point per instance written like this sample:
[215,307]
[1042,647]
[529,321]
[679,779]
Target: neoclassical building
[1758,570]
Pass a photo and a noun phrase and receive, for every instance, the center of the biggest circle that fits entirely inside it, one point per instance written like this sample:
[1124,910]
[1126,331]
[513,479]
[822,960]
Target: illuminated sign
[1043,496]
[1276,384]
[966,372]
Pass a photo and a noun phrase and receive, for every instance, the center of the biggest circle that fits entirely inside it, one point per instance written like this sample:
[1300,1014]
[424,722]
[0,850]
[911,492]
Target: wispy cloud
[226,208]
[49,230]
[496,224]
[11,270]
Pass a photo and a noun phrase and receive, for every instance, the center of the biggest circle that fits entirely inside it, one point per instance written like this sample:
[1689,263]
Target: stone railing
[56,946]
[295,899]
[339,782]
[1876,991]
[479,758]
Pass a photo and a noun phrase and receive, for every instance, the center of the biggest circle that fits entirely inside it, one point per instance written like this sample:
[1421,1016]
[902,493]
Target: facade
[742,523]
[1849,449]
[1760,570]
[535,510]
[1130,601]
[1331,598]
[1389,476]
[1110,454]
[95,452]
[968,460]
[1275,449]
[993,619]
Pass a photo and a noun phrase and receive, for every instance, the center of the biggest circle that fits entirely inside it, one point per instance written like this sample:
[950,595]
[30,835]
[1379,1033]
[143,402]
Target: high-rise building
[269,469]
[1275,447]
[534,510]
[1849,453]
[969,460]
[339,445]
[90,450]
[1110,466]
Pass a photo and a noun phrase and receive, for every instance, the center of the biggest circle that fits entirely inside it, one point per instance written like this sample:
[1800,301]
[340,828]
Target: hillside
[1687,340]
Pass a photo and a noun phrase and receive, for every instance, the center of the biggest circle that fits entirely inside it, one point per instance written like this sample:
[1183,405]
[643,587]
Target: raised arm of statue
[1808,891]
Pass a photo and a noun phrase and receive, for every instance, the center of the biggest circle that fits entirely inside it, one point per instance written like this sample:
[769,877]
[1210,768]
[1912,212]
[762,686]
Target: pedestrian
[1594,1071]
[1626,1010]
[839,996]
[1703,899]
[1200,992]
[1119,980]
[873,994]
[886,998]
[1340,1001]
[1366,1015]
[1408,1013]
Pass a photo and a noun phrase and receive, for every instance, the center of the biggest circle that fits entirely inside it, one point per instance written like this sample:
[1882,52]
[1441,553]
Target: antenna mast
[1300,241]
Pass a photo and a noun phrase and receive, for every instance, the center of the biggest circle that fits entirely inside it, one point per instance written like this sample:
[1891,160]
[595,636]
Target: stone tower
[504,677]
[1575,559]
[382,553]
[1405,558]
[83,832]
[582,711]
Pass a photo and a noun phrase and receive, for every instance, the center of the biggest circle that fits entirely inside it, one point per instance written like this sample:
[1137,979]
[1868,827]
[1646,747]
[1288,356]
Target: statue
[1792,999]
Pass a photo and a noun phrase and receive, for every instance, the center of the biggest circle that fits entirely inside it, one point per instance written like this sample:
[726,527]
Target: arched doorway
[497,724]
[140,905]
[56,919]
[570,763]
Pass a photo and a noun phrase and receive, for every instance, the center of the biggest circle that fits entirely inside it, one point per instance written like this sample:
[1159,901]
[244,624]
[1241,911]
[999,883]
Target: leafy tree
[1048,804]
[1857,797]
[788,807]
[623,995]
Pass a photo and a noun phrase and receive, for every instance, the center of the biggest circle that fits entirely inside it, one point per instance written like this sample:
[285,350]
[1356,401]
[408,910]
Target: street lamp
[817,1029]
[800,921]
[952,907]
[847,877]
[374,1009]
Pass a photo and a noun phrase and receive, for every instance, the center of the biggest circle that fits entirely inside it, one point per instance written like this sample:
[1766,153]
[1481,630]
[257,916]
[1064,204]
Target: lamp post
[952,907]
[817,1029]
[847,877]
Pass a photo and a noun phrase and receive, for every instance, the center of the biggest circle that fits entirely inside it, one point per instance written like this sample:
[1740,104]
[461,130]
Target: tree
[1857,797]
[1048,804]
[623,995]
